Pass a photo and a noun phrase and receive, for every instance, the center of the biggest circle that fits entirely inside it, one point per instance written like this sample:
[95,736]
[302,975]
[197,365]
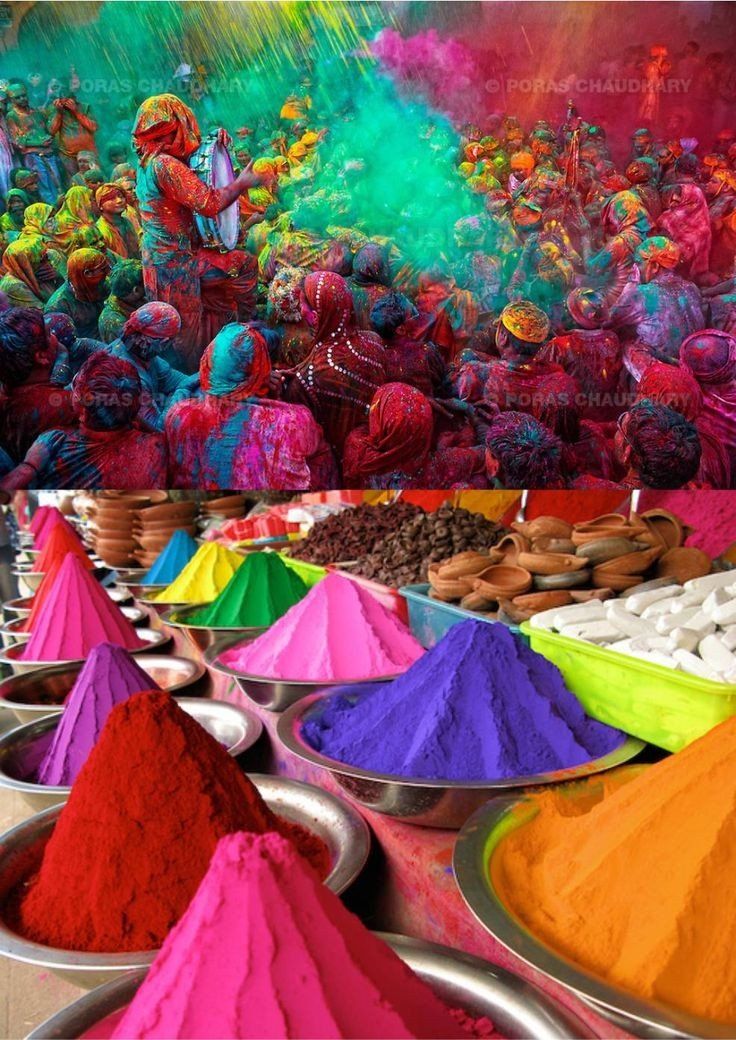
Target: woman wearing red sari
[166,135]
[346,366]
[685,220]
[710,356]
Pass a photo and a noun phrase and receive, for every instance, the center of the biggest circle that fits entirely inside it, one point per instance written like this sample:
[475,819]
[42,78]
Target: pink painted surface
[711,513]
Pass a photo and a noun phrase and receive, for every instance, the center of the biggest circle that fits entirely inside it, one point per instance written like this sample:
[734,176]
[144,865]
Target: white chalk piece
[693,665]
[639,601]
[728,637]
[626,622]
[662,606]
[665,624]
[716,598]
[725,614]
[579,613]
[719,580]
[683,639]
[715,654]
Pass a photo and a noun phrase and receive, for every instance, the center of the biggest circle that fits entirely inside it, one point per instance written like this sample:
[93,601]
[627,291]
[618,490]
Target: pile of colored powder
[480,705]
[75,616]
[109,676]
[266,951]
[204,577]
[172,559]
[338,631]
[259,593]
[47,583]
[136,836]
[39,518]
[637,885]
[54,520]
[59,543]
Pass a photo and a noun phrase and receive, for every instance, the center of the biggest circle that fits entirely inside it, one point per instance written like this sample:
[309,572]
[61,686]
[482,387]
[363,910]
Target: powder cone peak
[204,576]
[338,631]
[109,676]
[75,616]
[269,952]
[639,888]
[259,593]
[40,516]
[172,559]
[135,838]
[60,542]
[478,706]
[54,520]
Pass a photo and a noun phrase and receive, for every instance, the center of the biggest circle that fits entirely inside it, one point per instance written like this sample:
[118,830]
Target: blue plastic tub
[430,619]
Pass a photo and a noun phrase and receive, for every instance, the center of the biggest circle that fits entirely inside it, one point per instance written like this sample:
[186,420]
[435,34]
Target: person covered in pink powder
[234,436]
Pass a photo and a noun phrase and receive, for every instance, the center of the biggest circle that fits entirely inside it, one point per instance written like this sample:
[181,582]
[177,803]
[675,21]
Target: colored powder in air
[338,631]
[636,883]
[60,542]
[137,834]
[259,593]
[54,520]
[75,616]
[172,559]
[204,577]
[266,951]
[109,676]
[480,705]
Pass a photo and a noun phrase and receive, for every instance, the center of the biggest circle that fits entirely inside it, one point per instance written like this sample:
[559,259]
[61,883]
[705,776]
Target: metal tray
[273,694]
[23,606]
[20,693]
[442,803]
[201,636]
[22,749]
[32,579]
[474,850]
[155,642]
[340,826]
[146,599]
[518,1009]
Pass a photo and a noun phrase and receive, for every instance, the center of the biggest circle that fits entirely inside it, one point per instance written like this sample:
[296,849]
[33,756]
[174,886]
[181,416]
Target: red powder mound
[40,517]
[61,541]
[138,832]
[53,520]
[47,583]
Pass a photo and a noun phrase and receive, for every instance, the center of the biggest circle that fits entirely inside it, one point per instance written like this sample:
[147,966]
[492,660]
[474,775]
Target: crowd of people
[580,331]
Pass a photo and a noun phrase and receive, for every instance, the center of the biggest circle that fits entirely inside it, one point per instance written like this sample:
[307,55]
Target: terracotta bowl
[550,563]
[601,550]
[617,582]
[502,581]
[165,527]
[551,526]
[666,526]
[120,526]
[566,580]
[116,560]
[114,544]
[216,505]
[154,542]
[536,601]
[550,544]
[510,546]
[684,563]
[631,563]
[169,511]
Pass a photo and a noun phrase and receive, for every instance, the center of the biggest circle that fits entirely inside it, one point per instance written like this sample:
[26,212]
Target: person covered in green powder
[126,295]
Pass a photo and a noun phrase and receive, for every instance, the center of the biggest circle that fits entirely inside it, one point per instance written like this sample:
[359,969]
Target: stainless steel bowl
[200,637]
[22,749]
[517,1008]
[28,581]
[23,606]
[43,691]
[130,575]
[12,632]
[427,803]
[474,850]
[273,694]
[155,641]
[341,827]
[135,615]
[146,599]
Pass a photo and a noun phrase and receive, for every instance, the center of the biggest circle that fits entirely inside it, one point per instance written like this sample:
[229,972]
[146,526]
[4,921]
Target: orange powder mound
[60,542]
[640,888]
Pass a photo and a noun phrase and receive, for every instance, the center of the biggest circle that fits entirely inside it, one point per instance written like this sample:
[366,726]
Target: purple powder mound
[110,675]
[480,705]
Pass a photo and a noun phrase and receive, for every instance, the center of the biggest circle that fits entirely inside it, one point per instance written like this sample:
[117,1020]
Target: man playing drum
[176,269]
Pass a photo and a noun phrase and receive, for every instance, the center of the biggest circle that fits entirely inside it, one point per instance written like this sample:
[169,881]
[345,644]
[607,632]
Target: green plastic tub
[650,701]
[310,573]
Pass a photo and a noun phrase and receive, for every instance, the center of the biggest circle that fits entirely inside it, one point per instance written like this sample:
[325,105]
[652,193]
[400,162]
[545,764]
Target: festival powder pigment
[259,593]
[637,885]
[338,631]
[480,705]
[135,839]
[75,616]
[204,577]
[109,676]
[172,559]
[47,583]
[266,951]
[54,518]
[58,544]
[39,518]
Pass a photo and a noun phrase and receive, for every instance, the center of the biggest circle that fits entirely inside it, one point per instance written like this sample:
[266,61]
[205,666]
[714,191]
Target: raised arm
[180,183]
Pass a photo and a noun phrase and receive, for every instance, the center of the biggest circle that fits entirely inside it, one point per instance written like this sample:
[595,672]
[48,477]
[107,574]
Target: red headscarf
[165,124]
[155,320]
[86,271]
[398,434]
[236,364]
[674,386]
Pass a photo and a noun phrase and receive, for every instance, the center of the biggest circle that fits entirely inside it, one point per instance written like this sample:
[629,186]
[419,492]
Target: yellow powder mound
[640,888]
[204,577]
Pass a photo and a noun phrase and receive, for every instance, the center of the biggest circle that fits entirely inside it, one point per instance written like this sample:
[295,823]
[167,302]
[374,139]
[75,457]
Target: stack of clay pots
[549,562]
[112,521]
[225,508]
[154,526]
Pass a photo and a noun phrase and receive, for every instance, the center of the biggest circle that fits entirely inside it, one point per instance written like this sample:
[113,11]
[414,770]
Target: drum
[212,163]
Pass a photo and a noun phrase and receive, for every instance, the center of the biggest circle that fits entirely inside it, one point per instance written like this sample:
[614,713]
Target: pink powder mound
[40,516]
[265,950]
[76,615]
[337,632]
[55,520]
